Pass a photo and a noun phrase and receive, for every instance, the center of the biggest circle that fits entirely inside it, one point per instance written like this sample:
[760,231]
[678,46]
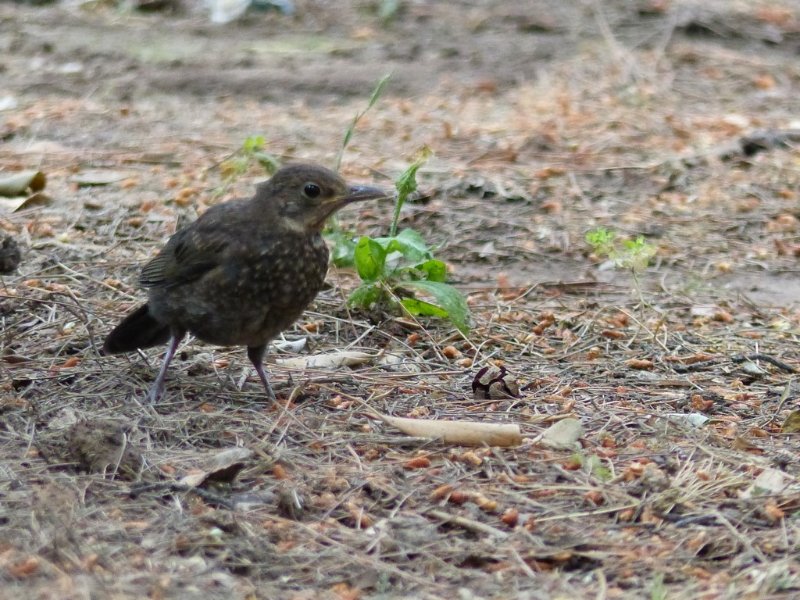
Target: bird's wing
[188,255]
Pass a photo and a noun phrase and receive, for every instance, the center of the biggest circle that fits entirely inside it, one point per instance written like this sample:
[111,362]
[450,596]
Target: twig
[740,358]
[466,523]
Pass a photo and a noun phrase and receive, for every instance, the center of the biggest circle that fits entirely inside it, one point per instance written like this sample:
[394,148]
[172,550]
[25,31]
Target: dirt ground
[675,120]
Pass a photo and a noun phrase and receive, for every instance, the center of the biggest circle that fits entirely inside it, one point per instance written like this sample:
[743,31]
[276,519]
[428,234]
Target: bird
[240,274]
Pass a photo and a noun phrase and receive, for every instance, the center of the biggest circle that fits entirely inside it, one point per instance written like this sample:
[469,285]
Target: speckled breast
[249,302]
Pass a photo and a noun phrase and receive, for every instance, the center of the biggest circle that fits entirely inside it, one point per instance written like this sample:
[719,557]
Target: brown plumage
[243,272]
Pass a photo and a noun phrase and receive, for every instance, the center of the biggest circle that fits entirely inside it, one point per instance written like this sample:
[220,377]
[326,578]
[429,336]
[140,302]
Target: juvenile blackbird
[241,273]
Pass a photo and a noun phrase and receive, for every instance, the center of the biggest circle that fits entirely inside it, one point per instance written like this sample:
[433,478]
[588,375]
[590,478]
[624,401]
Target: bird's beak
[357,193]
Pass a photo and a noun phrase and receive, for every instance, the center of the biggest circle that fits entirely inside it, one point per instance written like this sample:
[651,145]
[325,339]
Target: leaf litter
[683,475]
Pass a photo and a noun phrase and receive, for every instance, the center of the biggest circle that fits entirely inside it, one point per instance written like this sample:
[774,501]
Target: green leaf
[413,239]
[602,241]
[370,258]
[597,468]
[377,92]
[638,253]
[348,135]
[365,295]
[409,243]
[343,250]
[446,297]
[420,307]
[435,270]
[407,183]
[253,143]
[269,161]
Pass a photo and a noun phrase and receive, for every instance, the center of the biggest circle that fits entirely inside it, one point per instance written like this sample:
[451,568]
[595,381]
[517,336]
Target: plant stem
[398,204]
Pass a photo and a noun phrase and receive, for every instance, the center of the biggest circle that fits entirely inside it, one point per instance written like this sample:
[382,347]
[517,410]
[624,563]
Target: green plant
[396,269]
[342,245]
[632,254]
[377,92]
[250,153]
[658,591]
[593,464]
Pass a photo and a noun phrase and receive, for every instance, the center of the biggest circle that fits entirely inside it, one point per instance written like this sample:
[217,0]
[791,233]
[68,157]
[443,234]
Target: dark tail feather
[137,330]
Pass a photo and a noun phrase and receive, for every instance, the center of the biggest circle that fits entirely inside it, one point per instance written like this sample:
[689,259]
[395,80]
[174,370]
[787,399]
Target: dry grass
[332,503]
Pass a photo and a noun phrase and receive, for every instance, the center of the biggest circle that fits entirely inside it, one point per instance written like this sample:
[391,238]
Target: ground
[674,120]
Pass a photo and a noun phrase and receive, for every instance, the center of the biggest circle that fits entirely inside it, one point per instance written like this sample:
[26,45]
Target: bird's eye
[311,190]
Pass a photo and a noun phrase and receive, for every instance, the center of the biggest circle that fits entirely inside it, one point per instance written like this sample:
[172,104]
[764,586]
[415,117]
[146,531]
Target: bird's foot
[156,390]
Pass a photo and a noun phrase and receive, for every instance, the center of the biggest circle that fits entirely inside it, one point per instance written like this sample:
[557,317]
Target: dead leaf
[693,419]
[462,433]
[418,462]
[639,363]
[100,177]
[222,467]
[22,183]
[332,360]
[563,435]
[22,202]
[769,481]
[291,346]
[792,423]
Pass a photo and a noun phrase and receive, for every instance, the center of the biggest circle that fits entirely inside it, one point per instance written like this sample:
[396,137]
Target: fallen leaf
[563,435]
[24,568]
[638,363]
[693,419]
[348,358]
[769,481]
[792,423]
[21,183]
[418,462]
[462,433]
[22,202]
[510,517]
[291,346]
[100,177]
[221,467]
[753,369]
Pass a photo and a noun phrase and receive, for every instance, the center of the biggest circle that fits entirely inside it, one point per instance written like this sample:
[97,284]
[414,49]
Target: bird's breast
[251,297]
[291,273]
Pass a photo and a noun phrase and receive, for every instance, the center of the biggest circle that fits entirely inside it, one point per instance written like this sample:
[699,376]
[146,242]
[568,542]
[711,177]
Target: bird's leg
[256,355]
[158,384]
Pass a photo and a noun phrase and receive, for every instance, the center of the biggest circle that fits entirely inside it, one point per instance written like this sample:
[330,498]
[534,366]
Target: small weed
[594,464]
[633,255]
[394,269]
[249,154]
[658,590]
[377,92]
[627,254]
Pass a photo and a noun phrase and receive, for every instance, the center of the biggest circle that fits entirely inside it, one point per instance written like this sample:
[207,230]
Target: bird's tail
[138,330]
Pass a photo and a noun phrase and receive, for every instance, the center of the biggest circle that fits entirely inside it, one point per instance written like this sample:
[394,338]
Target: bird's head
[304,196]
